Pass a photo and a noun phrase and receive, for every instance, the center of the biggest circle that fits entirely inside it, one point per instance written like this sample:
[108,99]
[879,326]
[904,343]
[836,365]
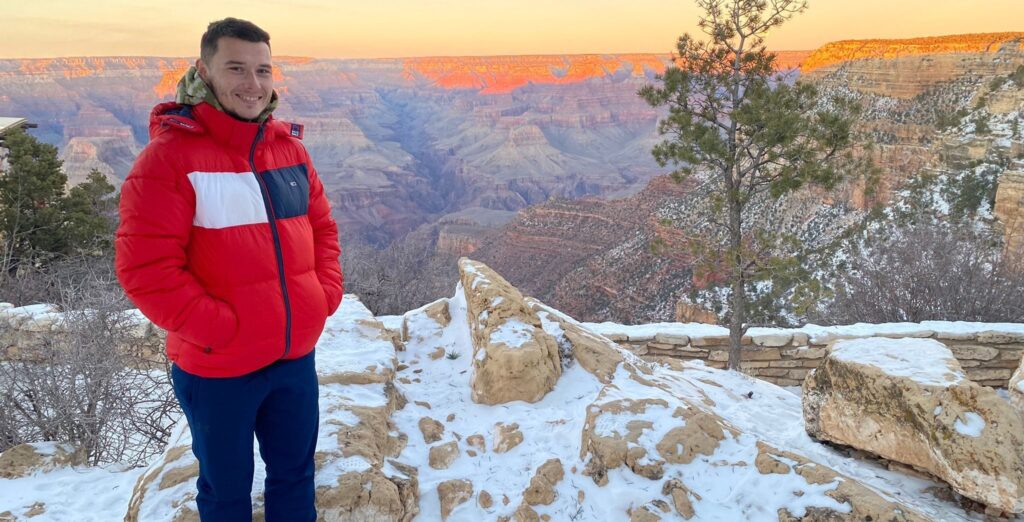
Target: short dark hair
[231,27]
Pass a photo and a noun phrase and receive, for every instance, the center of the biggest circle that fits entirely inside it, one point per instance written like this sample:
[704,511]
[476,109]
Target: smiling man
[227,242]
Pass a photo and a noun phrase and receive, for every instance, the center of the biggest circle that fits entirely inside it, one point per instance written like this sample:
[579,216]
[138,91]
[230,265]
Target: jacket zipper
[277,242]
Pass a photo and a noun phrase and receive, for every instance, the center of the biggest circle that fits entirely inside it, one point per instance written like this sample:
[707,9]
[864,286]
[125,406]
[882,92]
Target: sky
[403,28]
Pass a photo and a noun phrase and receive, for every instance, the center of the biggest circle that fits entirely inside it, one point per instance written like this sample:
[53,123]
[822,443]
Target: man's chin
[243,117]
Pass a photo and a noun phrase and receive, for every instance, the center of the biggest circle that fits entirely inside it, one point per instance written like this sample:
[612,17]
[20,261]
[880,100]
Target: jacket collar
[203,118]
[228,130]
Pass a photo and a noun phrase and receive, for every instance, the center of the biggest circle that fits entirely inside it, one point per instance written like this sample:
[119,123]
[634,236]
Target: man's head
[235,63]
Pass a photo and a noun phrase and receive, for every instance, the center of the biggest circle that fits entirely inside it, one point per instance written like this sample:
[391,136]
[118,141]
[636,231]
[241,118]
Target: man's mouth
[249,99]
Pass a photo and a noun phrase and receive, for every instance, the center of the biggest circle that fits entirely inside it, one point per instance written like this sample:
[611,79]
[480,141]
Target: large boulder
[907,400]
[514,359]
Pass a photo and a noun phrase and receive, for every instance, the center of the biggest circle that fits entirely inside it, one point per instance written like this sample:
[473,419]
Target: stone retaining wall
[784,358]
[24,331]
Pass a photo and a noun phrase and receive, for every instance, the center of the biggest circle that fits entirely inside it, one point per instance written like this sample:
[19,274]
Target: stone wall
[26,330]
[785,357]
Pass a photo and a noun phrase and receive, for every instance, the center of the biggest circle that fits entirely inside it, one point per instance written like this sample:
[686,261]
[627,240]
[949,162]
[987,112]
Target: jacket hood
[192,90]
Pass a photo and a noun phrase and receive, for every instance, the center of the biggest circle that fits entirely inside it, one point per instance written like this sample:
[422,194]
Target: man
[227,242]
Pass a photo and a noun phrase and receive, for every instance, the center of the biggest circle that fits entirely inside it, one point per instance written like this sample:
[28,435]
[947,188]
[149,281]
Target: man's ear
[201,68]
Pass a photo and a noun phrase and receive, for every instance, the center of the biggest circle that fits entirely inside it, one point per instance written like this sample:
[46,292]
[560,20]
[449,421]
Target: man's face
[240,75]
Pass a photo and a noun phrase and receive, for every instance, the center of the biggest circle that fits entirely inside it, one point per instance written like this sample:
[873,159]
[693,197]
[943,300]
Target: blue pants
[279,405]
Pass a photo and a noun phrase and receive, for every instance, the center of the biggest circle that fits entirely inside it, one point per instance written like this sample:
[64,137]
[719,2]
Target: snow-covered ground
[439,388]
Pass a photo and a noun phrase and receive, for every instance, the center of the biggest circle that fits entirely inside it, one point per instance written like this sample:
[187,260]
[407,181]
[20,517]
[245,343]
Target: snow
[652,329]
[728,483]
[971,426]
[817,334]
[512,333]
[349,345]
[923,360]
[86,494]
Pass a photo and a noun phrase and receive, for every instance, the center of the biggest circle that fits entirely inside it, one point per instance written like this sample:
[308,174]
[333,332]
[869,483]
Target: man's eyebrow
[236,62]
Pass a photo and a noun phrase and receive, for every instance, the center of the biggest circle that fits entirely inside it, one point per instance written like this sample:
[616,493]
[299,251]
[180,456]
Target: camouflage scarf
[193,90]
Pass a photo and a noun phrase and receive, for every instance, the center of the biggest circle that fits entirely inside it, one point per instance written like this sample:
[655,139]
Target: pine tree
[39,221]
[30,197]
[737,125]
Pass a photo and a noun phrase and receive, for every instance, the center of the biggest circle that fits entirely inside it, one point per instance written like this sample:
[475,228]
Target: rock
[974,352]
[484,500]
[525,513]
[477,441]
[907,400]
[672,339]
[431,429]
[506,437]
[513,357]
[650,512]
[595,353]
[1009,208]
[169,481]
[680,495]
[437,354]
[694,313]
[542,485]
[443,455]
[24,460]
[773,340]
[452,493]
[863,503]
[438,311]
[369,495]
[1016,388]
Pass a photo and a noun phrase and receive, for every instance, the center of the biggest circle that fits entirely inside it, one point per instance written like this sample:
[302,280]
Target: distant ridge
[487,74]
[847,50]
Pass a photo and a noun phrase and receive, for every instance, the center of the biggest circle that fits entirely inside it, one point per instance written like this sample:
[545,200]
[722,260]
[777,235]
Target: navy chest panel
[289,190]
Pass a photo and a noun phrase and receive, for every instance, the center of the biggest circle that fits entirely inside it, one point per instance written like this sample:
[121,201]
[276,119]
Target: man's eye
[235,69]
[263,71]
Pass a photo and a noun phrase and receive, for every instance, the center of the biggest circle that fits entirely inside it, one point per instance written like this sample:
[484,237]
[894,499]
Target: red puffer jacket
[241,269]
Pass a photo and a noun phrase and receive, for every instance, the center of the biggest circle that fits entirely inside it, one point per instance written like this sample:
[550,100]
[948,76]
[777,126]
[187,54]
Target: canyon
[541,165]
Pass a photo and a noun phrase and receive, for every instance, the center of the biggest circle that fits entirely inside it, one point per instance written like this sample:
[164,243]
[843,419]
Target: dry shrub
[923,272]
[94,386]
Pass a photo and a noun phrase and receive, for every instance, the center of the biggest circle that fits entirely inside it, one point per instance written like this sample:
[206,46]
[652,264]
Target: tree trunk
[738,296]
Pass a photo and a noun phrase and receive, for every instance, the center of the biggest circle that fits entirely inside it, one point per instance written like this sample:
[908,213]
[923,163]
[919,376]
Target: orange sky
[400,28]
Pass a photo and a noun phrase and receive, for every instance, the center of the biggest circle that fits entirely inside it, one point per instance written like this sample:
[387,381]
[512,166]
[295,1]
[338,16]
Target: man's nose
[252,79]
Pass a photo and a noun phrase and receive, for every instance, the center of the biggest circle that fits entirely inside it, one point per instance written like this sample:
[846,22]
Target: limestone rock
[452,493]
[506,437]
[27,459]
[477,441]
[438,311]
[680,495]
[442,456]
[370,496]
[513,357]
[1016,388]
[650,512]
[907,400]
[697,433]
[595,353]
[542,485]
[864,503]
[485,500]
[169,480]
[431,429]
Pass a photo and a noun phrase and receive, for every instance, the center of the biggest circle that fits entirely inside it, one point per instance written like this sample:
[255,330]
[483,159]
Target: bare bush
[93,386]
[929,272]
[405,275]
